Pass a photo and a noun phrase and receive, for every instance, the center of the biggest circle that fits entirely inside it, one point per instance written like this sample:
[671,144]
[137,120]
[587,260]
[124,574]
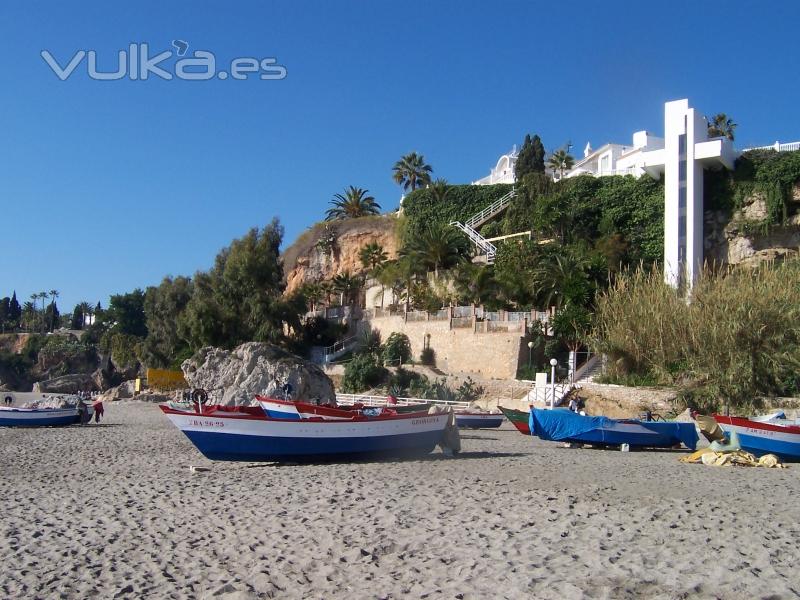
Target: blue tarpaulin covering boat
[566,426]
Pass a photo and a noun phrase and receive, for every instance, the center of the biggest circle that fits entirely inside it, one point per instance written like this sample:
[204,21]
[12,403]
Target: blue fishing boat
[563,425]
[37,417]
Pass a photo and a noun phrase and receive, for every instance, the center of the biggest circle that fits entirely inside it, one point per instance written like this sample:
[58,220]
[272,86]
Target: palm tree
[560,161]
[407,271]
[86,310]
[39,315]
[437,246]
[560,279]
[476,284]
[372,256]
[721,126]
[313,293]
[53,295]
[440,190]
[29,313]
[348,286]
[352,204]
[412,172]
[388,276]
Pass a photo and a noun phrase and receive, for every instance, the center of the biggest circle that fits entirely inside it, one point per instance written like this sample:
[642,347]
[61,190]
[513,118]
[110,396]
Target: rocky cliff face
[739,239]
[328,249]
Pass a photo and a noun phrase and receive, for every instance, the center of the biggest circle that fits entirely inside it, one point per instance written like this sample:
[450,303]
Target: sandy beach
[113,511]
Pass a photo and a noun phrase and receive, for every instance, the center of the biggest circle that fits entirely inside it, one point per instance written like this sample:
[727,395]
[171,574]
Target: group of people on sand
[83,409]
[577,405]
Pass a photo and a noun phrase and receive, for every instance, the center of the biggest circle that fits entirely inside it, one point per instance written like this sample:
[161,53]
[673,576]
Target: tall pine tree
[530,158]
[14,310]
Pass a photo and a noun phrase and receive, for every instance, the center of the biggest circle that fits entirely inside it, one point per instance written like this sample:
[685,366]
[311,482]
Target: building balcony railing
[777,146]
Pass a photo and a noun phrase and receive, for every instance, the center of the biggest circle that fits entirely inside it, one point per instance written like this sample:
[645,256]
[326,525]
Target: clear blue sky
[110,185]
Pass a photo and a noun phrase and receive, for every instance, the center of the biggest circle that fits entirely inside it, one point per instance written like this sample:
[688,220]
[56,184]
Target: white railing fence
[366,400]
[341,347]
[777,146]
[545,394]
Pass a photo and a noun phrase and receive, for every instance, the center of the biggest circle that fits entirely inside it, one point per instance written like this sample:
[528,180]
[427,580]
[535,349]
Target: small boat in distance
[767,437]
[563,425]
[473,419]
[518,418]
[238,435]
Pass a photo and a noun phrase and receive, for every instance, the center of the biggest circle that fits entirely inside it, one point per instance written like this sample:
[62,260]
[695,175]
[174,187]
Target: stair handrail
[491,210]
[340,345]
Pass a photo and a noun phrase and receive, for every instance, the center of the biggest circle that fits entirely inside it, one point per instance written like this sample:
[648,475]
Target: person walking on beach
[83,412]
[98,410]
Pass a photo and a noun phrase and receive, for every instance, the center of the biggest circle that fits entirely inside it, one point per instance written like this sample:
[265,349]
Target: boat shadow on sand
[433,457]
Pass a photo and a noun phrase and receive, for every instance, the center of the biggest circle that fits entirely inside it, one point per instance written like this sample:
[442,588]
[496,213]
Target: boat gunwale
[766,426]
[167,410]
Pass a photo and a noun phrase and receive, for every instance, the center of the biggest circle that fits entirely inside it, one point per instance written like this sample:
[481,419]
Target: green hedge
[463,201]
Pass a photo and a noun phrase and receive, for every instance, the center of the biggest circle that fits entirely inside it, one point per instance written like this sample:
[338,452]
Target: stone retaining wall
[496,354]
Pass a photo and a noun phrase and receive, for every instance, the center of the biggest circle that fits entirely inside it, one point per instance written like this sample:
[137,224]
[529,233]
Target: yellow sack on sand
[728,459]
[695,457]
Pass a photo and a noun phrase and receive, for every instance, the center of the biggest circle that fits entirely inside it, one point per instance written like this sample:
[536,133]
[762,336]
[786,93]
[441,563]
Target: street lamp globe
[553,362]
[530,344]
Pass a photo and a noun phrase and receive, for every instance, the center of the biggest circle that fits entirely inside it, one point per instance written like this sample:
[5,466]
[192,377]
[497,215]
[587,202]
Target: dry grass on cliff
[306,241]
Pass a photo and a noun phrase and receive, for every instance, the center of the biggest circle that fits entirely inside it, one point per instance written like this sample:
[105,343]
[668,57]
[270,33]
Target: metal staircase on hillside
[476,238]
[490,211]
[468,227]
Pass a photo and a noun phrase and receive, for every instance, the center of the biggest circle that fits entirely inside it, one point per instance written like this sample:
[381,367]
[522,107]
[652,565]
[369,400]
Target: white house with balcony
[619,159]
[503,171]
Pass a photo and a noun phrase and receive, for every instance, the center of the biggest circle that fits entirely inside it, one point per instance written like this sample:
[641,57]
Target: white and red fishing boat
[234,433]
[759,438]
[276,408]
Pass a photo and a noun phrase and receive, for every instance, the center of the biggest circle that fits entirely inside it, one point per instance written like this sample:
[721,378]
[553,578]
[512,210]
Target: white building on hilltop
[619,159]
[503,171]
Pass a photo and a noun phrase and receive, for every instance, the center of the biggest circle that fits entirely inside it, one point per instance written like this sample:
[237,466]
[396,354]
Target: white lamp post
[553,363]
[530,353]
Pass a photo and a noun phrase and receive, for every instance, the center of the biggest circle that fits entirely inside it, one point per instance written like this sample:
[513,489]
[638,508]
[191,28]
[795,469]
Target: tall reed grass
[736,340]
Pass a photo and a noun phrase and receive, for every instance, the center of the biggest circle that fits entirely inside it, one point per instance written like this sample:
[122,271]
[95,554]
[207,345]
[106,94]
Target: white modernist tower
[687,151]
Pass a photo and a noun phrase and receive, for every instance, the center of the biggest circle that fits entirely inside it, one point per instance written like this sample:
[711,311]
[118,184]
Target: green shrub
[397,349]
[33,345]
[766,172]
[428,357]
[402,380]
[469,391]
[362,373]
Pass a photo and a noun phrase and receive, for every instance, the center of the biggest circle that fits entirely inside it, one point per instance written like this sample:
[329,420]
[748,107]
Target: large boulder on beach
[234,377]
[68,384]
